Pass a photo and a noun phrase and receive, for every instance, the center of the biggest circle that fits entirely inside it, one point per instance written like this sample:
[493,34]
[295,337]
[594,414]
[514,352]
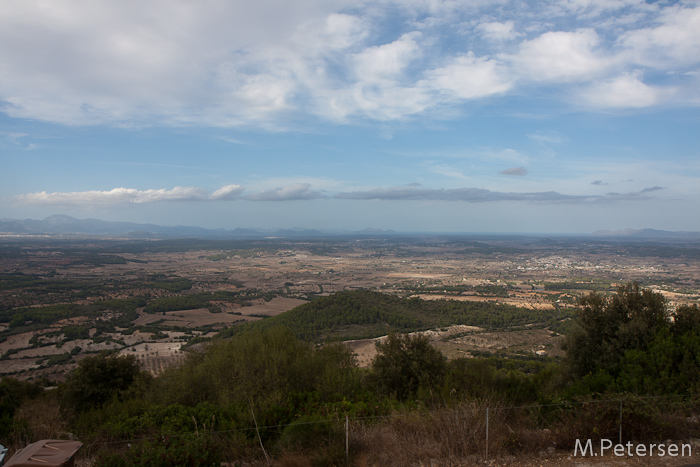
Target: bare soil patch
[15,365]
[416,275]
[526,302]
[230,315]
[18,341]
[525,342]
[366,349]
[274,307]
[190,318]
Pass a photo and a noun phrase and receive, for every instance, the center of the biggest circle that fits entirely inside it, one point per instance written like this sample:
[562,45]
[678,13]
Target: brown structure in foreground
[47,453]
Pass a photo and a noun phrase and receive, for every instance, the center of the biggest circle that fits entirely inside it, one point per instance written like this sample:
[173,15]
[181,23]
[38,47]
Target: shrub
[321,441]
[643,420]
[100,378]
[406,363]
[188,451]
[260,368]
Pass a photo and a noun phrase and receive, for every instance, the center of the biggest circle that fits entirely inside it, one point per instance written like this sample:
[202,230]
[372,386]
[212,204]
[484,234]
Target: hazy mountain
[67,225]
[62,225]
[645,233]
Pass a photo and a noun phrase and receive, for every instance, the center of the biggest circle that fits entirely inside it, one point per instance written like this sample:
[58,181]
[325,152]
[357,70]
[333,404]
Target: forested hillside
[364,314]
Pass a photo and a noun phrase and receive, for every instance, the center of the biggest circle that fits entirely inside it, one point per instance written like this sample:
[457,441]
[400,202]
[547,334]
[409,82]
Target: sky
[552,116]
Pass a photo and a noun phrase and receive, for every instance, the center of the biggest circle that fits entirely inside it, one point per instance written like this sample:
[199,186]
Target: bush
[643,421]
[12,393]
[188,451]
[608,327]
[100,378]
[321,442]
[404,364]
[261,369]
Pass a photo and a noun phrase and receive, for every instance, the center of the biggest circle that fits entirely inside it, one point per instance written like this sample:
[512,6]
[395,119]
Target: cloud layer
[233,63]
[303,192]
[129,196]
[297,191]
[517,171]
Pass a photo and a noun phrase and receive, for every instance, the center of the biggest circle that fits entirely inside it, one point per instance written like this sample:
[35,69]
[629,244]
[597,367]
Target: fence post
[620,421]
[487,433]
[347,440]
[267,459]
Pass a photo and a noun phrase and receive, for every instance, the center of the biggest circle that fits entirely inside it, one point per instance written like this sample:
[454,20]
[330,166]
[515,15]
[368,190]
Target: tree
[609,326]
[99,379]
[261,368]
[404,364]
[671,362]
[686,319]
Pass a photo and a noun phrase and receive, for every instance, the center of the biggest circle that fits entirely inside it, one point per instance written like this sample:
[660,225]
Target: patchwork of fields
[61,300]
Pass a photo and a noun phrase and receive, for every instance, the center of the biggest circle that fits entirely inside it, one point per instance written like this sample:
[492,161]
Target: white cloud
[480,195]
[228,192]
[625,91]
[595,7]
[173,61]
[673,43]
[560,56]
[469,77]
[114,196]
[497,31]
[387,61]
[379,101]
[298,191]
[128,196]
[377,84]
[338,31]
[226,64]
[233,141]
[472,195]
[18,139]
[319,183]
[548,137]
[447,171]
[304,192]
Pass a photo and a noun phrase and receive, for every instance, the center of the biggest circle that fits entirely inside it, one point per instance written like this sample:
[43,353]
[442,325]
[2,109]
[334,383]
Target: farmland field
[61,300]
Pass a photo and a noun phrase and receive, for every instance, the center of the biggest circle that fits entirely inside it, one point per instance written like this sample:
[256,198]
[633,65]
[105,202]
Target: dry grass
[454,436]
[41,419]
[457,437]
[449,437]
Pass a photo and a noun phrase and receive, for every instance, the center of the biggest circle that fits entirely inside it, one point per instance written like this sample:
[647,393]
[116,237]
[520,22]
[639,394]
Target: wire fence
[488,416]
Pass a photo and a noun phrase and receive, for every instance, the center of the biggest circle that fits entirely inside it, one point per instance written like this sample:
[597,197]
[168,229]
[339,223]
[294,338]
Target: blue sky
[560,116]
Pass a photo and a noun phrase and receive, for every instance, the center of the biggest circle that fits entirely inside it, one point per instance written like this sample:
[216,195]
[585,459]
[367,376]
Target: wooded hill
[364,314]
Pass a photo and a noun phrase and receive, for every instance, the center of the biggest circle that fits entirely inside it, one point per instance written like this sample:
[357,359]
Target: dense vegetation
[628,342]
[267,390]
[28,318]
[364,314]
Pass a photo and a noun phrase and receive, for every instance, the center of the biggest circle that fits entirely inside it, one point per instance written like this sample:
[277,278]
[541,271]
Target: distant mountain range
[61,225]
[645,233]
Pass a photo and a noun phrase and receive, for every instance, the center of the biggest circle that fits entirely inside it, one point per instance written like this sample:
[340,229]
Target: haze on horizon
[562,116]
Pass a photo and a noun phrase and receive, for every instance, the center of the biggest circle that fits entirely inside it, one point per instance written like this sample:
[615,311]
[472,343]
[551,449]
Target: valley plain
[62,299]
